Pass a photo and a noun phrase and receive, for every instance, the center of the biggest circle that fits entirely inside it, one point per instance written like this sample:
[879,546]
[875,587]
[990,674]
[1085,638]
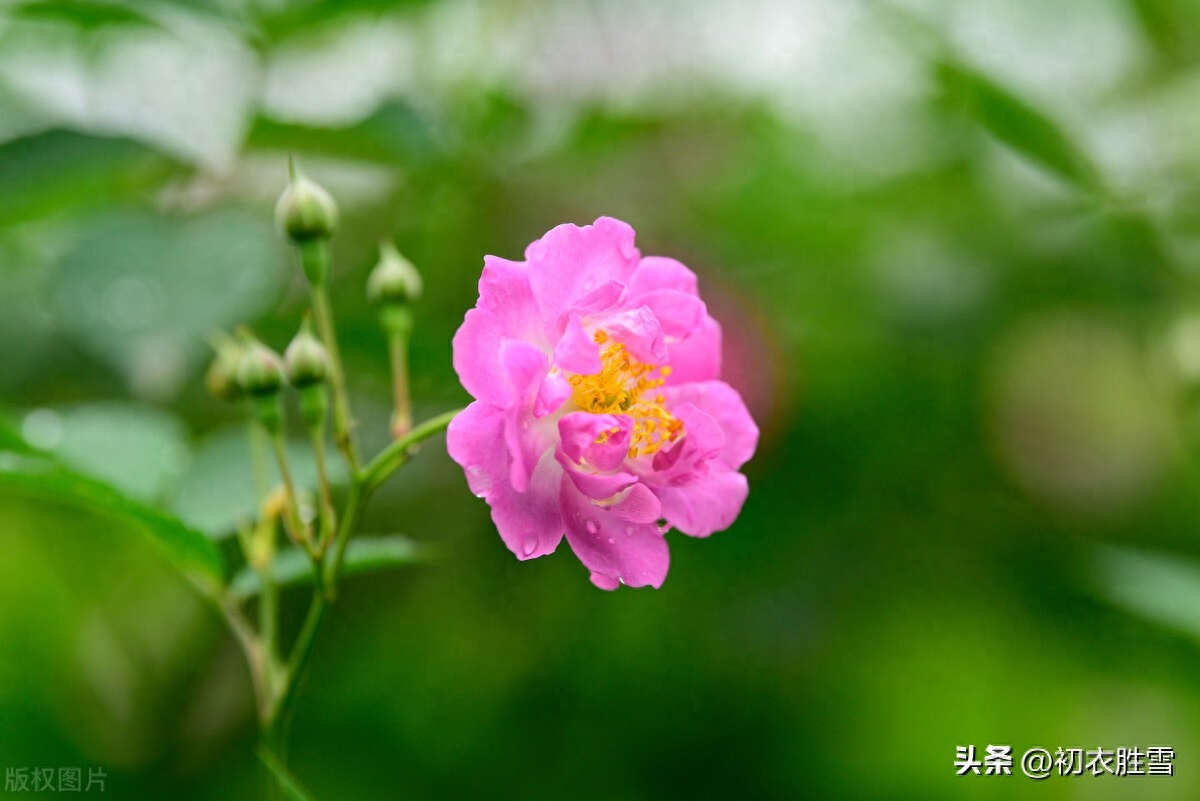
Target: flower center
[626,386]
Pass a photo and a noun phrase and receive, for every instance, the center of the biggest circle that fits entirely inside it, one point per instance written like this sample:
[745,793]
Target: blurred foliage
[954,247]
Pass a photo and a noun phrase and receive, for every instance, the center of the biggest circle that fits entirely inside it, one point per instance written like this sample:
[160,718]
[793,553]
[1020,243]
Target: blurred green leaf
[188,549]
[1163,589]
[394,134]
[278,21]
[59,171]
[1171,25]
[292,566]
[138,450]
[80,13]
[143,291]
[1018,124]
[11,439]
[219,488]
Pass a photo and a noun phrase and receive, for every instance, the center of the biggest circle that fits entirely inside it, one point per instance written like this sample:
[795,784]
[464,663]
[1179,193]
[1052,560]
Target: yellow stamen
[626,386]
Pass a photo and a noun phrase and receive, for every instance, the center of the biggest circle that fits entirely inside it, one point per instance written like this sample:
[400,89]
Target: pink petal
[710,505]
[611,548]
[525,368]
[570,262]
[678,313]
[595,466]
[602,298]
[553,394]
[686,461]
[639,331]
[530,522]
[577,352]
[504,291]
[660,272]
[723,404]
[476,356]
[698,357]
[637,504]
[580,431]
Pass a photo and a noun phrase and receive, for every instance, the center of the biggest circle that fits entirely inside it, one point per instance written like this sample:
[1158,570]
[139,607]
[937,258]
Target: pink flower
[597,410]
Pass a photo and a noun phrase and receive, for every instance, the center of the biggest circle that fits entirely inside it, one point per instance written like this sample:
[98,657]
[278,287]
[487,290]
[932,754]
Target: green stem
[398,351]
[317,434]
[298,663]
[252,648]
[398,452]
[343,426]
[268,618]
[359,493]
[295,525]
[258,460]
[325,576]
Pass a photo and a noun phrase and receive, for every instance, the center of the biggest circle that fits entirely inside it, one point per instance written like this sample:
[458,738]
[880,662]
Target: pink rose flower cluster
[598,411]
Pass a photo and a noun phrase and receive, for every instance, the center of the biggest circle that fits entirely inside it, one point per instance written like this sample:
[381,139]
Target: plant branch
[398,351]
[343,425]
[295,525]
[327,515]
[398,452]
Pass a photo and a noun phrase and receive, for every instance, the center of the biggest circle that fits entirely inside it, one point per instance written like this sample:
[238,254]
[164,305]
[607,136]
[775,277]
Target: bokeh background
[955,246]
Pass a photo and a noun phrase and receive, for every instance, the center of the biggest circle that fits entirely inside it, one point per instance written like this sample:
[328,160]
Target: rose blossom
[597,410]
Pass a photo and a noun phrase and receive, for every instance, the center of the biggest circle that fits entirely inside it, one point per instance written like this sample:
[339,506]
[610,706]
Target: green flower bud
[259,372]
[305,359]
[394,280]
[305,211]
[221,378]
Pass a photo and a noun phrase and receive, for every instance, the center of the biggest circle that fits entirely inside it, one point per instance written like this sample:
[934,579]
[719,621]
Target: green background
[954,247]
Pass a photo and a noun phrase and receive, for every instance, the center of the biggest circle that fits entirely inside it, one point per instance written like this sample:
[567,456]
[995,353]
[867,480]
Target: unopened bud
[305,360]
[221,378]
[260,375]
[394,281]
[305,211]
[259,370]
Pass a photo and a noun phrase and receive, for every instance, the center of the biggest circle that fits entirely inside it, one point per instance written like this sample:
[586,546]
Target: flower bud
[305,211]
[305,360]
[259,371]
[221,378]
[394,281]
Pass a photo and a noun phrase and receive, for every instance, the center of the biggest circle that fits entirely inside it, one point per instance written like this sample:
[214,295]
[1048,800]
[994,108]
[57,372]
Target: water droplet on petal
[475,470]
[629,531]
[591,526]
[611,541]
[529,547]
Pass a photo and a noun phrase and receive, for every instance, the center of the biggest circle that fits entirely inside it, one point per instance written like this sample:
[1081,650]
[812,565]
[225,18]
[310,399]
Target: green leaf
[10,437]
[218,488]
[57,171]
[1171,25]
[287,782]
[80,13]
[138,450]
[395,133]
[143,290]
[1163,589]
[189,550]
[292,566]
[1018,124]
